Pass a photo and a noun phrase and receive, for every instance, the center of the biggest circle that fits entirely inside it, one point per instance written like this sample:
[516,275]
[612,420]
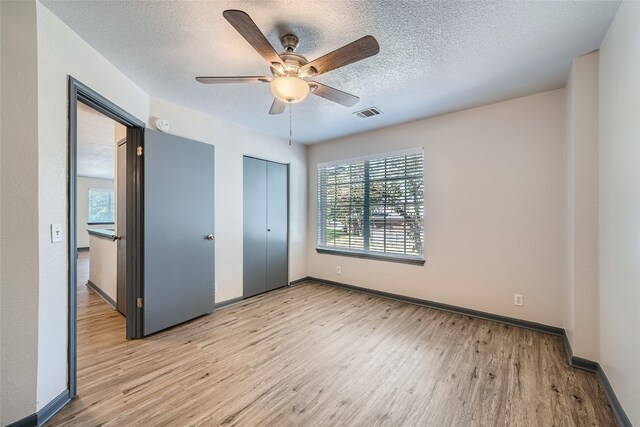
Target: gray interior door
[266,224]
[121,229]
[254,226]
[178,282]
[277,225]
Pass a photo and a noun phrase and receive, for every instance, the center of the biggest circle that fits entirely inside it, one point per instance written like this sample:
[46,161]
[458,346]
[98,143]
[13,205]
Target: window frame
[321,226]
[112,198]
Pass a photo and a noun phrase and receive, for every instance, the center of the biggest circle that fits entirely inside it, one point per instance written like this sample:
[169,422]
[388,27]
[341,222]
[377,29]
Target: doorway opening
[100,219]
[105,214]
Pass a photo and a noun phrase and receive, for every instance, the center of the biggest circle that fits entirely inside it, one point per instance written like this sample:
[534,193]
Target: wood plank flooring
[314,355]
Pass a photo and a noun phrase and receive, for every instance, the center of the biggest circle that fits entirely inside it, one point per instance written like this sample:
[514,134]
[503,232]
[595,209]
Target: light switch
[56,233]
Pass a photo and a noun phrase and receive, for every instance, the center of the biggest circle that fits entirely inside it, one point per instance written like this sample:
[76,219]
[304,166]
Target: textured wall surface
[496,176]
[620,207]
[103,261]
[570,91]
[494,209]
[18,211]
[582,203]
[62,53]
[231,143]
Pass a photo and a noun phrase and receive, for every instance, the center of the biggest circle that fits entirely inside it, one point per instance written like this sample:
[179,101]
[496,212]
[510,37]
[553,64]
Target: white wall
[34,168]
[582,207]
[494,209]
[61,52]
[18,211]
[231,143]
[620,206]
[496,217]
[103,265]
[83,184]
[570,288]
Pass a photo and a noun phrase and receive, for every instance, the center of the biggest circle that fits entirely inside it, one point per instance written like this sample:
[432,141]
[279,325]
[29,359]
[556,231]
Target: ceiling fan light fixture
[289,89]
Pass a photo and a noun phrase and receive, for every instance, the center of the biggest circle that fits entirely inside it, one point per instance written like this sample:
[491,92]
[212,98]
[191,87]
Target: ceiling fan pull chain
[290,108]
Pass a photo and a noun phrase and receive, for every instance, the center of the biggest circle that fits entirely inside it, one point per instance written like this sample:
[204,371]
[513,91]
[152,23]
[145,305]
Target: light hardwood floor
[314,355]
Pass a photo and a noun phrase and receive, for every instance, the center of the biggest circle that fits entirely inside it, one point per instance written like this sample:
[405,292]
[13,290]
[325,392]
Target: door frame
[79,92]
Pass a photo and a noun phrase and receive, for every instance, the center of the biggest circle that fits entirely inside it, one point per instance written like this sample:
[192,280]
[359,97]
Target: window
[373,207]
[101,206]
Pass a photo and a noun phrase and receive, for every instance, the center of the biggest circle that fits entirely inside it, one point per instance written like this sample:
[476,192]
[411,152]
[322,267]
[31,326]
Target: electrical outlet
[518,299]
[339,270]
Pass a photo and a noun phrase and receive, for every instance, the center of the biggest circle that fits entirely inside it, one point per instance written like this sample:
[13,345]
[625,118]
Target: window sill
[377,257]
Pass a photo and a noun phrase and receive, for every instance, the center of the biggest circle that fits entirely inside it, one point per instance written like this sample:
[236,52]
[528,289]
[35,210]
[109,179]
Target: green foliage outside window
[374,205]
[101,206]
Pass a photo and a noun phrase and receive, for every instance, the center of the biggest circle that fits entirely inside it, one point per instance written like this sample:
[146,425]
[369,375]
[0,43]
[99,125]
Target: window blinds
[373,205]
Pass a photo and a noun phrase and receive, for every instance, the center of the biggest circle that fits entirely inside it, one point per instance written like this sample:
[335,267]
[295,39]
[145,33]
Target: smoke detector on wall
[162,125]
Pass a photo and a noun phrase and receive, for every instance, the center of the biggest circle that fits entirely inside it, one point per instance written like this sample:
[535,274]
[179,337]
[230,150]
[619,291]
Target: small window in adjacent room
[373,207]
[101,206]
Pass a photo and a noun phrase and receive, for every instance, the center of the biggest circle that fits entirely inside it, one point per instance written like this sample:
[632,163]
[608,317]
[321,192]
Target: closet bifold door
[265,261]
[254,226]
[277,225]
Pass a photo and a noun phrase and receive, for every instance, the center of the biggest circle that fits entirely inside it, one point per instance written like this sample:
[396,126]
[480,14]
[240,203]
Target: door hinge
[139,303]
[139,151]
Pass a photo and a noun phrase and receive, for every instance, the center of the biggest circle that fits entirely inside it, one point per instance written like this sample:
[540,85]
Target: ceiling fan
[291,71]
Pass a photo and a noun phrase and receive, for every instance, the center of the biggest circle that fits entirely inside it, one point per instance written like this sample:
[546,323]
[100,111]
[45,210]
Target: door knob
[209,237]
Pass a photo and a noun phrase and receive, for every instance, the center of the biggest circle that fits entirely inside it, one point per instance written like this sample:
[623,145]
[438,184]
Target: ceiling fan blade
[250,31]
[335,95]
[355,51]
[237,79]
[277,107]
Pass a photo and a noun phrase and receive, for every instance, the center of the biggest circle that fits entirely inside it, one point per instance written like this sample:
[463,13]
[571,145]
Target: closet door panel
[277,225]
[254,227]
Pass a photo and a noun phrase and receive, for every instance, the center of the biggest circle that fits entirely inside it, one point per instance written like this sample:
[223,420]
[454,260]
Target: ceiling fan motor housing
[292,64]
[291,70]
[289,42]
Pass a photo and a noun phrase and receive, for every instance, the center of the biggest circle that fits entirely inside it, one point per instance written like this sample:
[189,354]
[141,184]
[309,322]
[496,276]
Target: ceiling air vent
[368,112]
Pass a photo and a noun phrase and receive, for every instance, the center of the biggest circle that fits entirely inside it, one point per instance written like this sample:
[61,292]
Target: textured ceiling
[96,144]
[435,57]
